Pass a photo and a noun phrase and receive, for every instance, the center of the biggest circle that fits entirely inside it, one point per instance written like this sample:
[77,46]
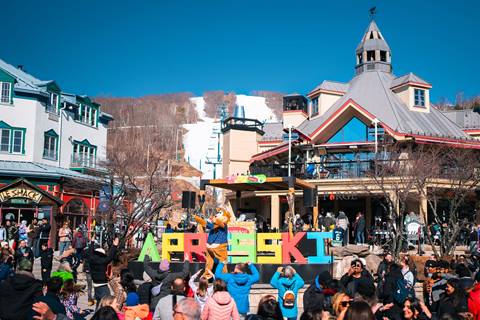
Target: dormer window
[5,92]
[53,102]
[419,98]
[371,55]
[314,106]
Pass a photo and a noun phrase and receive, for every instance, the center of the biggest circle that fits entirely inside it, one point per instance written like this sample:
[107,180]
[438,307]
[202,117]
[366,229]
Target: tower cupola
[373,52]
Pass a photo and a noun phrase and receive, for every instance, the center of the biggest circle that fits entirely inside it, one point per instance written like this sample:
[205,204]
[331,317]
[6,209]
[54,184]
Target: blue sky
[134,48]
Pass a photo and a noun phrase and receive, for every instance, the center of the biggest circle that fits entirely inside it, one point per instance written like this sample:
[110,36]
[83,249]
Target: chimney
[20,67]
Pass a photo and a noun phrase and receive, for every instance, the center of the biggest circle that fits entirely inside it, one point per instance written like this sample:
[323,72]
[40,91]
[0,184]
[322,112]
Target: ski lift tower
[216,160]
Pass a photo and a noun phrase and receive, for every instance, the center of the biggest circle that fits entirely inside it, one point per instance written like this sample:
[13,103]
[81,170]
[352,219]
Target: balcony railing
[79,161]
[314,170]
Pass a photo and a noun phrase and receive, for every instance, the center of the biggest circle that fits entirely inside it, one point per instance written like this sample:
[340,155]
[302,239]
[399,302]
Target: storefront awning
[257,183]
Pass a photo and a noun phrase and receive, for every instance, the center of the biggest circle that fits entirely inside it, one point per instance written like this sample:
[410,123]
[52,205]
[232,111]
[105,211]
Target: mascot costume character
[217,240]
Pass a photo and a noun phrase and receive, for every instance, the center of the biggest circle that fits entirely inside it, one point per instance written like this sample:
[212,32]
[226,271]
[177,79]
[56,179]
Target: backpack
[289,297]
[401,292]
[80,243]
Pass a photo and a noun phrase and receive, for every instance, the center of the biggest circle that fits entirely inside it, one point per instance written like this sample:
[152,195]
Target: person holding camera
[355,275]
[288,282]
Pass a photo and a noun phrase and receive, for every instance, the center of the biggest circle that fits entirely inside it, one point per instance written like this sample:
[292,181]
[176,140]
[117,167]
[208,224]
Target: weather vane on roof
[373,12]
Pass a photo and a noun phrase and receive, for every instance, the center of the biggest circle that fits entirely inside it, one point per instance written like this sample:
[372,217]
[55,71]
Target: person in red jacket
[474,298]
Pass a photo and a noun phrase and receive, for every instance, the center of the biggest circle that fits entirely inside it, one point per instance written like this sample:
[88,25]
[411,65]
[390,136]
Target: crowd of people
[451,289]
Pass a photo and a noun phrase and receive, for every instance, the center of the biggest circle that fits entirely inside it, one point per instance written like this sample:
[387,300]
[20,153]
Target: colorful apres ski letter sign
[261,248]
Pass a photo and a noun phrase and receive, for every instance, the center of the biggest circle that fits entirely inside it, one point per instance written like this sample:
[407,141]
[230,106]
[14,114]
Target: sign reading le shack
[20,193]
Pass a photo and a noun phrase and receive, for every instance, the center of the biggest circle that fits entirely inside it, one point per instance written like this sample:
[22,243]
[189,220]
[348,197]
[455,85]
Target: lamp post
[289,150]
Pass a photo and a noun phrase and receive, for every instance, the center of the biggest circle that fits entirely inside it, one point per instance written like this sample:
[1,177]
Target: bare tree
[448,175]
[430,173]
[392,179]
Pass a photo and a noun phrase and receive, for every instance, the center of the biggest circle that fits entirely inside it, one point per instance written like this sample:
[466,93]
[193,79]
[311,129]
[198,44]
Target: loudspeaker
[188,199]
[310,197]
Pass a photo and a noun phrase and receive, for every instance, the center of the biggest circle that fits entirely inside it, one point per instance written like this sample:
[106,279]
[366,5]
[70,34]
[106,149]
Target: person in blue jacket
[288,282]
[239,283]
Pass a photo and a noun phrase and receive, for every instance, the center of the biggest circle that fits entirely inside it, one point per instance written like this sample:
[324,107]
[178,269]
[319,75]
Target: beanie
[164,265]
[324,278]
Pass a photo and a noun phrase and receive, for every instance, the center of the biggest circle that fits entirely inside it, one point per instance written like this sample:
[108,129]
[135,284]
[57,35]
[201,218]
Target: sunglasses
[345,303]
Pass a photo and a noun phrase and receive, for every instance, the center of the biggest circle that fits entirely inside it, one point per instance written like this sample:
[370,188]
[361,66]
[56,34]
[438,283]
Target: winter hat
[431,264]
[101,250]
[164,265]
[25,265]
[132,299]
[324,278]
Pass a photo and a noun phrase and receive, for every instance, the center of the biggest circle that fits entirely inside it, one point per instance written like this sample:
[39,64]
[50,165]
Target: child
[46,258]
[202,292]
[69,299]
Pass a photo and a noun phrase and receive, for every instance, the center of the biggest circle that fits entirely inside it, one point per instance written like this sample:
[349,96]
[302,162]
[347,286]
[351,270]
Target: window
[17,141]
[360,58]
[53,107]
[5,140]
[93,117]
[419,98]
[5,93]
[84,154]
[383,56]
[87,115]
[314,106]
[371,55]
[11,139]
[353,131]
[50,144]
[371,35]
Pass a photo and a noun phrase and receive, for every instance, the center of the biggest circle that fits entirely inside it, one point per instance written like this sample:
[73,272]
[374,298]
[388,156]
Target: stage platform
[266,271]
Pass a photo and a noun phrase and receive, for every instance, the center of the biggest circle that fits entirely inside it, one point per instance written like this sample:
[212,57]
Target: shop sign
[339,196]
[253,179]
[20,193]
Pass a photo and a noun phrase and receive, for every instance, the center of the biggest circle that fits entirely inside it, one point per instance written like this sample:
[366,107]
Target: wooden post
[238,197]
[275,211]
[315,217]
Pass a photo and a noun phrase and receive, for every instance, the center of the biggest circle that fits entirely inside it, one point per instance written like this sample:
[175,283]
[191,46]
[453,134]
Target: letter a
[149,248]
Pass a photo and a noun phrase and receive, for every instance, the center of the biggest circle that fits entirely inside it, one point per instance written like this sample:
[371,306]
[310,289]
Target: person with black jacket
[23,252]
[319,294]
[17,292]
[44,232]
[163,276]
[356,273]
[454,300]
[46,259]
[388,292]
[98,261]
[51,297]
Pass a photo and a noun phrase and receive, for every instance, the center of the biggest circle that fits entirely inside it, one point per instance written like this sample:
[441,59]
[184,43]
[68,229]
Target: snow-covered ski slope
[201,140]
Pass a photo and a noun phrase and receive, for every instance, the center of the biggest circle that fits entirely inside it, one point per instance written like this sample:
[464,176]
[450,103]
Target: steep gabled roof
[408,78]
[371,90]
